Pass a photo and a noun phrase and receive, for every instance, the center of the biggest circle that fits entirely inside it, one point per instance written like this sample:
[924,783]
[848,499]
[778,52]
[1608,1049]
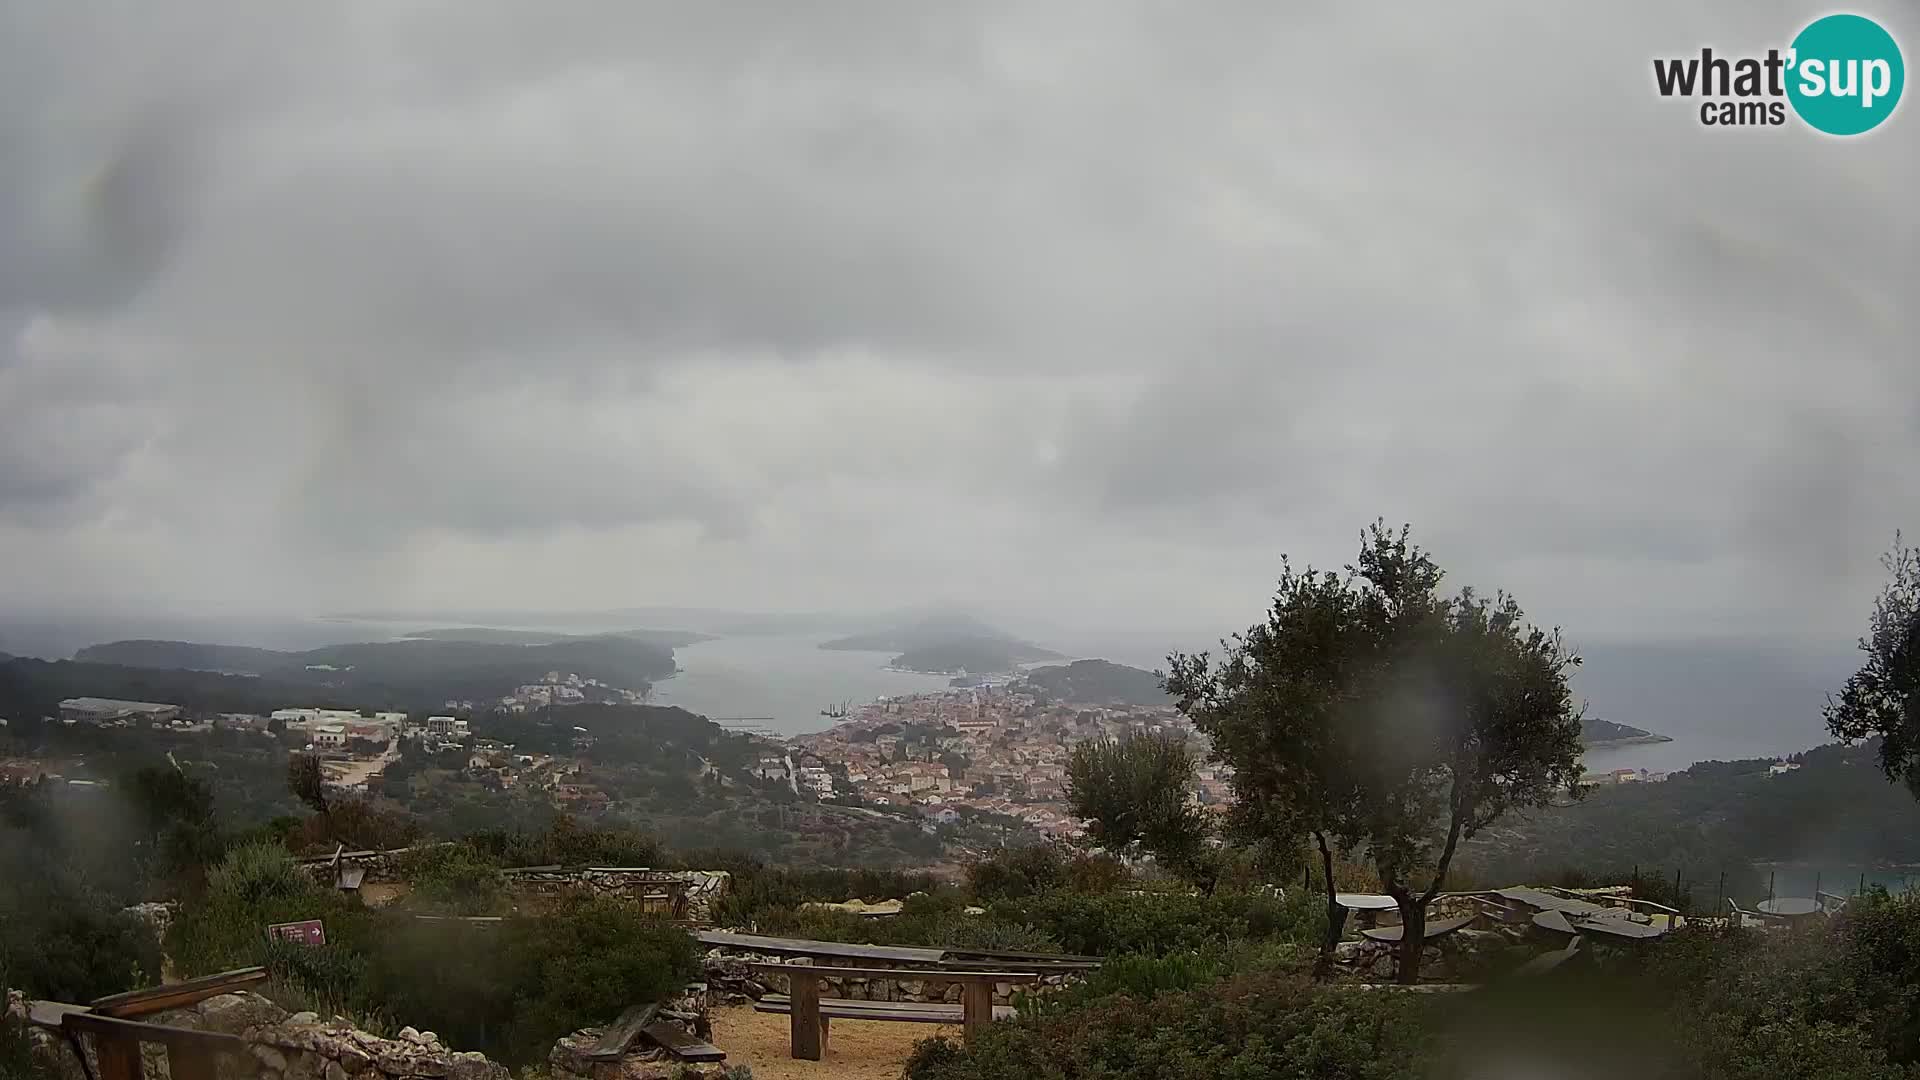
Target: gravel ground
[856,1049]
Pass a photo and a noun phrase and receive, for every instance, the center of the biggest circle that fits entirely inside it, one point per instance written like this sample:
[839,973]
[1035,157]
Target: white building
[331,734]
[446,726]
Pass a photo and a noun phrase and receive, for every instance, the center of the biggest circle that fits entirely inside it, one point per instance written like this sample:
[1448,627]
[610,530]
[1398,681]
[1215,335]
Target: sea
[1715,700]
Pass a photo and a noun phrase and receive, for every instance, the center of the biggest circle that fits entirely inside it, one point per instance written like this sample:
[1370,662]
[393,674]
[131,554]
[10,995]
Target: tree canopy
[1372,711]
[1883,697]
[1133,791]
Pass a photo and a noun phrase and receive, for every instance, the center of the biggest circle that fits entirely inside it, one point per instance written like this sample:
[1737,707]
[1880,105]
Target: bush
[566,842]
[253,887]
[70,947]
[1016,873]
[456,877]
[762,896]
[1253,1026]
[989,933]
[512,988]
[1159,923]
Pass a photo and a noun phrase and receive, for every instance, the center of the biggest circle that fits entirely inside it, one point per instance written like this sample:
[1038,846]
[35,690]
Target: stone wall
[730,981]
[284,1047]
[703,888]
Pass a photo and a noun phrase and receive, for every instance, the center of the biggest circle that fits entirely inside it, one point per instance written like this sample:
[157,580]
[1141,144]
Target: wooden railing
[191,1055]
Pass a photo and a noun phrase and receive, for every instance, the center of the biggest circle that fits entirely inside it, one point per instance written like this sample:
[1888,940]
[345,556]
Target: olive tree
[1133,792]
[1372,712]
[1883,697]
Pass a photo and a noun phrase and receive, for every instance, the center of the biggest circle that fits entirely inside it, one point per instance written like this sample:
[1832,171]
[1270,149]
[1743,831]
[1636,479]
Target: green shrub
[1264,1025]
[1158,923]
[509,989]
[254,887]
[758,893]
[988,933]
[71,947]
[1015,873]
[566,842]
[456,877]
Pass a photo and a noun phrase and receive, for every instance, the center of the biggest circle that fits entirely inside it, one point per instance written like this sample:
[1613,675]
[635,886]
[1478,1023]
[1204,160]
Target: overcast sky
[1078,310]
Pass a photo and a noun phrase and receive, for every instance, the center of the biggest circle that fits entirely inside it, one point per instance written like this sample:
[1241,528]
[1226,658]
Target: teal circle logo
[1846,74]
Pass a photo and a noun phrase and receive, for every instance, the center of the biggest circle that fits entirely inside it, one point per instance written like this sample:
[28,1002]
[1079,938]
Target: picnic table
[810,1015]
[1366,906]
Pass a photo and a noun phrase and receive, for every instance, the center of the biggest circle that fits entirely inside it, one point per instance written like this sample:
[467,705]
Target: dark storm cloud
[1096,306]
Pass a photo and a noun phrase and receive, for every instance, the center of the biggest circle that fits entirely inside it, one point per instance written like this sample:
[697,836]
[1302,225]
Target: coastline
[1635,740]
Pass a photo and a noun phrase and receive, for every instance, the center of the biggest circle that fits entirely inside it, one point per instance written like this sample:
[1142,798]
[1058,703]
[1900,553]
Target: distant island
[1605,734]
[947,645]
[414,669]
[671,639]
[1100,682]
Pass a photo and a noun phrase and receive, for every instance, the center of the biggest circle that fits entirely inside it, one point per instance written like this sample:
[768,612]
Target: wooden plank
[118,1055]
[803,947]
[804,1023]
[1433,930]
[780,1002]
[613,1045]
[155,999]
[976,1008]
[1014,958]
[50,1013]
[934,975]
[108,1027]
[1555,921]
[675,1041]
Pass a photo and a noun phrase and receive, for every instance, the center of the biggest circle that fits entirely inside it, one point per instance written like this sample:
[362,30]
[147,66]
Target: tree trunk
[1413,933]
[1336,915]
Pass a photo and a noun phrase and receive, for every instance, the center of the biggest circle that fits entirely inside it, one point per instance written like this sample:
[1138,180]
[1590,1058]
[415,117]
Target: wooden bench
[810,1015]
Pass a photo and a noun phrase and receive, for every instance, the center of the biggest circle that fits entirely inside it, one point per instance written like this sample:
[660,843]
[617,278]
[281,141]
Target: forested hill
[1098,682]
[409,668]
[1836,810]
[31,688]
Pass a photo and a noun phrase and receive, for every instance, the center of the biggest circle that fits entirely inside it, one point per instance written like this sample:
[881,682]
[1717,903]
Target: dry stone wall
[283,1046]
[730,981]
[703,888]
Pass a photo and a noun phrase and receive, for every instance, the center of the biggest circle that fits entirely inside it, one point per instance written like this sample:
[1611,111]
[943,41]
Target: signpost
[304,932]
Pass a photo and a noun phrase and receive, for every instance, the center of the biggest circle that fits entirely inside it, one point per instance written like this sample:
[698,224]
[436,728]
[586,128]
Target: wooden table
[809,1027]
[1789,907]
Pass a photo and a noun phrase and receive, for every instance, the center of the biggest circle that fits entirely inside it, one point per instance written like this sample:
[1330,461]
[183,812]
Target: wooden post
[804,1019]
[191,1061]
[119,1056]
[1720,901]
[976,1010]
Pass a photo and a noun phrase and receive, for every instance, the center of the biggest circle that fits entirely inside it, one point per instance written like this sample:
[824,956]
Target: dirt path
[857,1049]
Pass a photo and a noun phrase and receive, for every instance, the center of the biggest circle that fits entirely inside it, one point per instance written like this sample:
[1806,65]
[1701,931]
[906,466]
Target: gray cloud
[1084,309]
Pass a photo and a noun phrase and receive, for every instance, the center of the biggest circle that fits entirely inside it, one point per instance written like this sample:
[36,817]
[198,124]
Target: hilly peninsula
[1099,682]
[1604,734]
[412,669]
[948,645]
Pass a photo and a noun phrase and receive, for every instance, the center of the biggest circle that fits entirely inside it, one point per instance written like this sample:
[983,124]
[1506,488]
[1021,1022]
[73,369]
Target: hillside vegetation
[1098,682]
[409,668]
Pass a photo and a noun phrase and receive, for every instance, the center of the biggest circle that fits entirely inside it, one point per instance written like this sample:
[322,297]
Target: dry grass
[856,1050]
